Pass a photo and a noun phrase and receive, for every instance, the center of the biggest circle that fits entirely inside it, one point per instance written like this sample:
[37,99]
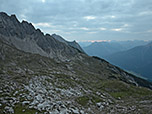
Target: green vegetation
[83,100]
[120,89]
[19,109]
[65,81]
[96,99]
[1,70]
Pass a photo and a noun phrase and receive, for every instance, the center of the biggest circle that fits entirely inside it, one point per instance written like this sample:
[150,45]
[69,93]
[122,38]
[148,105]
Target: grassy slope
[86,72]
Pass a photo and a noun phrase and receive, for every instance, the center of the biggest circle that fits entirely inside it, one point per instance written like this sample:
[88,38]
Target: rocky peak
[48,35]
[73,44]
[5,18]
[59,38]
[25,37]
[10,26]
[28,27]
[39,31]
[3,14]
[13,18]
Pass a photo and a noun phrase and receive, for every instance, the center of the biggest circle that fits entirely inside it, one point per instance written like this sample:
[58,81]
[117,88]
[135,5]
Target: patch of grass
[141,91]
[68,82]
[120,94]
[19,110]
[10,72]
[115,86]
[83,100]
[132,92]
[121,89]
[1,71]
[96,99]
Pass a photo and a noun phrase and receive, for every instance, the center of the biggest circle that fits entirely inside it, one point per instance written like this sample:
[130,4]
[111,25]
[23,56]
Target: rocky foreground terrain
[50,79]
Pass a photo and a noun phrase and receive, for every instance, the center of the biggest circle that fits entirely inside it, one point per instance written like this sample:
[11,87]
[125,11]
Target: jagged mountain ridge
[25,37]
[31,83]
[73,44]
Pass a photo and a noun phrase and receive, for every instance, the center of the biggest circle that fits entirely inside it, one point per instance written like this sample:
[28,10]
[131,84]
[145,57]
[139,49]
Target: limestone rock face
[73,44]
[25,37]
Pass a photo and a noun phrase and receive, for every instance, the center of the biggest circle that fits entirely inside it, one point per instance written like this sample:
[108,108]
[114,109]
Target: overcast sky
[86,19]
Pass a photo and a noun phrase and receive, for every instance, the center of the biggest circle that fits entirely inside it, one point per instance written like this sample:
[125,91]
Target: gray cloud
[86,19]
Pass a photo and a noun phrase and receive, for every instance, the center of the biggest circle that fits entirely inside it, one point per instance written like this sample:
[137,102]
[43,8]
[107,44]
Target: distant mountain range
[134,56]
[138,60]
[84,43]
[103,49]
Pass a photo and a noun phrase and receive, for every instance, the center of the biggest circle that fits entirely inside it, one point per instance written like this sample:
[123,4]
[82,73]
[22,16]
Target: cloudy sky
[83,20]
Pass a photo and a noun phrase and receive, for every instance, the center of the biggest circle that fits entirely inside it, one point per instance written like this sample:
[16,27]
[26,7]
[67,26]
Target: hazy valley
[133,56]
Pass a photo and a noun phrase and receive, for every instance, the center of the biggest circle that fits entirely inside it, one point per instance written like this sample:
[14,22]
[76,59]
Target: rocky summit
[42,75]
[25,37]
[73,44]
